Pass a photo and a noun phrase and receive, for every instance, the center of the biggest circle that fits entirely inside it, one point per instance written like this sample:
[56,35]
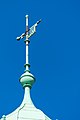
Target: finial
[27,79]
[26,16]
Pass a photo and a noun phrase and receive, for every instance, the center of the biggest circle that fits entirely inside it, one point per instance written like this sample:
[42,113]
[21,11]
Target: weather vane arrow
[29,31]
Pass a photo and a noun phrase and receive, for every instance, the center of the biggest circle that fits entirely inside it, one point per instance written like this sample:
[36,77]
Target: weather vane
[28,33]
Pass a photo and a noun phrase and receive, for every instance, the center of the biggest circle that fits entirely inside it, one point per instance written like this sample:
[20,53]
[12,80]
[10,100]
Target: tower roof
[27,110]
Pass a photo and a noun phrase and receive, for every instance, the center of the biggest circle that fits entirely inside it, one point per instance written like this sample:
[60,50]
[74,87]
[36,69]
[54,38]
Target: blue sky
[54,56]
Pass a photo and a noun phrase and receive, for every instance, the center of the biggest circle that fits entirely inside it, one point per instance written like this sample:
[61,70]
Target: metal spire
[28,33]
[27,79]
[27,42]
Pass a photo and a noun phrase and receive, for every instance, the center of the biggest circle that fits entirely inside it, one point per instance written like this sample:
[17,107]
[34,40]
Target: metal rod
[27,43]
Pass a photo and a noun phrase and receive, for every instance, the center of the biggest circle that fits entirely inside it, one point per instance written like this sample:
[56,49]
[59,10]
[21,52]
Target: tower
[27,110]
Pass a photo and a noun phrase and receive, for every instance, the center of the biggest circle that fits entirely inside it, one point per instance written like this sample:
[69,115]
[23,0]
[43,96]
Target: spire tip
[26,16]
